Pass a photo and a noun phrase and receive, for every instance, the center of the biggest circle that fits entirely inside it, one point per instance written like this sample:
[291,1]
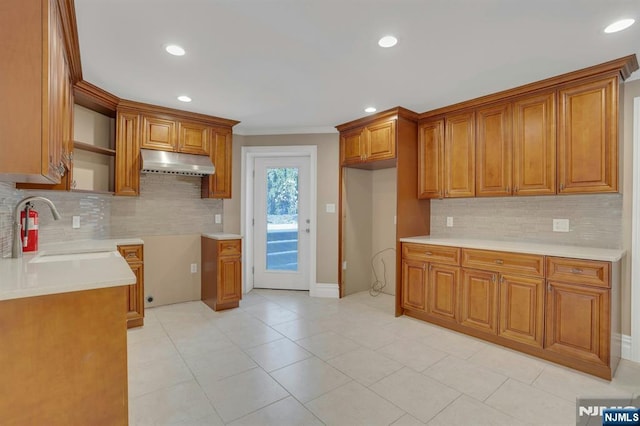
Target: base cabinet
[561,309]
[221,277]
[134,256]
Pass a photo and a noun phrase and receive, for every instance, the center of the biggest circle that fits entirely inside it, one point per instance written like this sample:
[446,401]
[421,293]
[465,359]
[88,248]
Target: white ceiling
[301,66]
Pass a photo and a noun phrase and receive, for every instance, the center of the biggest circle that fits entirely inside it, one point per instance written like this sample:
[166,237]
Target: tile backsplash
[595,220]
[167,205]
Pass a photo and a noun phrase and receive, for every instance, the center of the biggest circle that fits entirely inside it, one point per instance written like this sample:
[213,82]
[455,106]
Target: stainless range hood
[175,163]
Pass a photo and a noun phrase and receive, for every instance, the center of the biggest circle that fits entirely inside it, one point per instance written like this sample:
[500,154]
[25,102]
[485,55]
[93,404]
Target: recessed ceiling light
[175,50]
[620,25]
[184,98]
[370,109]
[387,41]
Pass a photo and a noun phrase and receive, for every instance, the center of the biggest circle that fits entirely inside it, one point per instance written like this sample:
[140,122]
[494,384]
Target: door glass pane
[282,219]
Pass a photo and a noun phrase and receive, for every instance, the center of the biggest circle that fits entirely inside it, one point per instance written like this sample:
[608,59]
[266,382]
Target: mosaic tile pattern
[595,220]
[168,205]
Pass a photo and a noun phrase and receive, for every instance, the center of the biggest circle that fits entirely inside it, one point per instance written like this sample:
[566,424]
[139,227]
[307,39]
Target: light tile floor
[284,358]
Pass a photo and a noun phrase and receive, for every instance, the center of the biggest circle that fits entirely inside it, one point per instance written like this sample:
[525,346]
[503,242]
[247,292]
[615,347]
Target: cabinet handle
[576,270]
[561,186]
[430,267]
[493,279]
[131,255]
[499,262]
[508,190]
[549,288]
[516,189]
[428,253]
[424,267]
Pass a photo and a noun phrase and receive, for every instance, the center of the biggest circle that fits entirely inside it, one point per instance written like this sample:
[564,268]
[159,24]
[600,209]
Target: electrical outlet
[330,208]
[449,221]
[194,268]
[76,222]
[560,225]
[218,218]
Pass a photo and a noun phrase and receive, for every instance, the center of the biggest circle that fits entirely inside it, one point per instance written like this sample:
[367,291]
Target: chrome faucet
[16,250]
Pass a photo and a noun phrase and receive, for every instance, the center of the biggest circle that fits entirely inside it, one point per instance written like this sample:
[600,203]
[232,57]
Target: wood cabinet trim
[507,262]
[390,114]
[431,253]
[70,31]
[175,114]
[95,98]
[622,67]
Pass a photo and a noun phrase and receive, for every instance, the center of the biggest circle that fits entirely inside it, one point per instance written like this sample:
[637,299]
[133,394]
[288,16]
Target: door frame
[249,153]
[635,238]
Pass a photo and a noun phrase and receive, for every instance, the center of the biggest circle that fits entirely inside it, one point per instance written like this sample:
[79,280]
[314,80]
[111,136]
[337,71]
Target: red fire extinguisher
[29,232]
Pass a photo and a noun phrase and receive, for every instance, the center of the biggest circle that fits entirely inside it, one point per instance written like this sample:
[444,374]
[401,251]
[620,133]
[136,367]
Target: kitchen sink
[61,257]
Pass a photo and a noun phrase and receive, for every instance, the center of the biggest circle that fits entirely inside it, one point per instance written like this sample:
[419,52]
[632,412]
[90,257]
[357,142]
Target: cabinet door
[459,155]
[577,321]
[193,138]
[414,284]
[588,137]
[218,185]
[534,145]
[229,279]
[443,292]
[352,149]
[493,151]
[430,159]
[135,297]
[381,141]
[158,133]
[127,179]
[478,301]
[521,309]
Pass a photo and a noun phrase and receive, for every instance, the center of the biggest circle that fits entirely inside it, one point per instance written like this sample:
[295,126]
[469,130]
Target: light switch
[75,222]
[194,268]
[331,208]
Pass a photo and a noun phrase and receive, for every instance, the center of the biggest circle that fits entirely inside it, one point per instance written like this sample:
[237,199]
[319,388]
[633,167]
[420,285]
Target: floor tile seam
[225,377]
[283,366]
[281,399]
[463,392]
[356,380]
[252,412]
[498,409]
[162,388]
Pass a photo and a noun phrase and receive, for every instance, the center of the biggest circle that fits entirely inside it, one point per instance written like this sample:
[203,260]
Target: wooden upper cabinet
[158,133]
[368,143]
[381,141]
[352,148]
[588,137]
[218,185]
[534,145]
[431,159]
[193,138]
[459,155]
[36,76]
[127,175]
[493,150]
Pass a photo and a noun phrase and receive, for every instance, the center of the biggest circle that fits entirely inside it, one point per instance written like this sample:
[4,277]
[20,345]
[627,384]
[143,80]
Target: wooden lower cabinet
[577,321]
[478,296]
[134,256]
[561,309]
[442,298]
[64,359]
[414,284]
[521,309]
[221,277]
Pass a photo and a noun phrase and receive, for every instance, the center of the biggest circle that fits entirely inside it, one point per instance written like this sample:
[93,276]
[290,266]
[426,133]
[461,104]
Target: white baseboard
[626,347]
[325,290]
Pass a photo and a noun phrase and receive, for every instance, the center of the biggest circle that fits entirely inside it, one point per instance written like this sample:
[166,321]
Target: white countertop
[588,253]
[32,275]
[223,236]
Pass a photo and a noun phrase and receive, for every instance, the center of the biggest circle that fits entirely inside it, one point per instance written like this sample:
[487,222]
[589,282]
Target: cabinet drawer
[430,253]
[588,272]
[515,263]
[131,253]
[229,247]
